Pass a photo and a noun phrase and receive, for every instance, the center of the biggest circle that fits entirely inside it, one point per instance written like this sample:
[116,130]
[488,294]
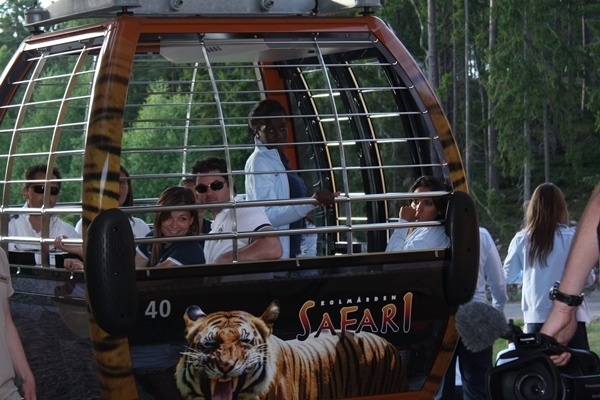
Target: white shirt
[491,272]
[19,225]
[427,237]
[248,219]
[538,279]
[273,186]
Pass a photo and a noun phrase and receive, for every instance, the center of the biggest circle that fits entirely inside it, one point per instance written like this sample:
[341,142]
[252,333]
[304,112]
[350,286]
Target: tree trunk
[584,38]
[492,134]
[432,56]
[526,125]
[454,80]
[526,160]
[546,145]
[468,145]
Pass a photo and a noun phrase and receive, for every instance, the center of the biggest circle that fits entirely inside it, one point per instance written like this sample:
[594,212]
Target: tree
[432,56]
[12,32]
[492,167]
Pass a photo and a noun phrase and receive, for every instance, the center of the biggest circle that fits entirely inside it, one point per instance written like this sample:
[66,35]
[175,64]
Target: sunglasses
[39,189]
[215,187]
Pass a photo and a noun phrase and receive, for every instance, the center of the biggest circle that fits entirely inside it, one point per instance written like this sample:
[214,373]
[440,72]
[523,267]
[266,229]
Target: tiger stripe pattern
[234,355]
[101,192]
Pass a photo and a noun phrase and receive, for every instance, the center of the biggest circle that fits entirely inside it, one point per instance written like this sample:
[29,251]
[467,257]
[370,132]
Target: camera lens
[531,387]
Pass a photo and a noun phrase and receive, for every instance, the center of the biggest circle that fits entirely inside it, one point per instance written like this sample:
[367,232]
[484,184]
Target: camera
[528,373]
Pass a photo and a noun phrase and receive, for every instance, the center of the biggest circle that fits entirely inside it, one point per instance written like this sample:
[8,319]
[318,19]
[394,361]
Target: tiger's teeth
[234,382]
[213,383]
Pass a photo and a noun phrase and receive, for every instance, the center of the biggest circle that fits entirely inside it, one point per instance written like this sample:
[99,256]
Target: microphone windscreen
[479,325]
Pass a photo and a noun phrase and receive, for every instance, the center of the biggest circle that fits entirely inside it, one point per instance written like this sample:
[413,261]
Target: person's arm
[262,248]
[141,261]
[583,255]
[73,264]
[428,237]
[260,185]
[494,276]
[17,355]
[69,248]
[514,262]
[398,238]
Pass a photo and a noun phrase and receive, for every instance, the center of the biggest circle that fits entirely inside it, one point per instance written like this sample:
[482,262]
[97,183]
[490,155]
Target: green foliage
[538,62]
[12,31]
[543,60]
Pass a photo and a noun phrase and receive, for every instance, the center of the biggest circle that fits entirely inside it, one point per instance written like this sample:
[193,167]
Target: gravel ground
[61,360]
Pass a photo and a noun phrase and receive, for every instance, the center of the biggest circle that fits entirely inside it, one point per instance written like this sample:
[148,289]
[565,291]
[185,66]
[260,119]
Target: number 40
[164,309]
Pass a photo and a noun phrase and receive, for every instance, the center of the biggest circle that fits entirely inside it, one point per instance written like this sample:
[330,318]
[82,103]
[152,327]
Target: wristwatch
[568,299]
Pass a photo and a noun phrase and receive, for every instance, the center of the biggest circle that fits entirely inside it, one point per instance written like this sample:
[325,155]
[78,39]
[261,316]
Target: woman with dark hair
[173,223]
[269,175]
[154,364]
[138,226]
[536,258]
[422,210]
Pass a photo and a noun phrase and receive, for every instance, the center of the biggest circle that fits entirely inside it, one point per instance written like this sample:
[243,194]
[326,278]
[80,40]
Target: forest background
[517,80]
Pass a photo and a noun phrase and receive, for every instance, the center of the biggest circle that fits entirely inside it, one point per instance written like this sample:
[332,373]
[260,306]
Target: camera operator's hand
[561,325]
[562,359]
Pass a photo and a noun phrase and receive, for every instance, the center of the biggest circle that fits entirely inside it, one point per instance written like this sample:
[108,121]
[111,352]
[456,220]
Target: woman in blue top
[422,210]
[269,175]
[154,364]
[536,258]
[172,224]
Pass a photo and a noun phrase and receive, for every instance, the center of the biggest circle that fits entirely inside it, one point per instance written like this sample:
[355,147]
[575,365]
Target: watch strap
[568,299]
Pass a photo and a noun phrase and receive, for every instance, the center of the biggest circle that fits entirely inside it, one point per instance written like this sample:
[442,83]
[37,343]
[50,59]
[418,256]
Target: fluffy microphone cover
[479,325]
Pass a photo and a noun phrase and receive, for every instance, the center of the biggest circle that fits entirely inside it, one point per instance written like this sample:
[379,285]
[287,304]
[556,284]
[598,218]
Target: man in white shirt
[212,183]
[30,225]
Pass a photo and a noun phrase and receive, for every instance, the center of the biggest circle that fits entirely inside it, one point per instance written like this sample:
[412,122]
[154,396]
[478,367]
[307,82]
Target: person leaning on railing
[30,225]
[422,210]
[213,185]
[170,224]
[270,177]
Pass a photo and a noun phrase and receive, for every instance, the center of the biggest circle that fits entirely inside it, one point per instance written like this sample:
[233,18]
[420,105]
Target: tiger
[234,355]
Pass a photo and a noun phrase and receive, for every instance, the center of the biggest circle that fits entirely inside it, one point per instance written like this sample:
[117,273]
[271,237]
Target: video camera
[529,374]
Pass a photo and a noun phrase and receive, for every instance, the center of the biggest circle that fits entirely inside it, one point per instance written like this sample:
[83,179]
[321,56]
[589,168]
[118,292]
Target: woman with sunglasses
[168,224]
[269,175]
[422,210]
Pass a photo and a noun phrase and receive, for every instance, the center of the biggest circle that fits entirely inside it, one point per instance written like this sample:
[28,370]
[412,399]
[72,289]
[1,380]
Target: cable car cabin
[154,88]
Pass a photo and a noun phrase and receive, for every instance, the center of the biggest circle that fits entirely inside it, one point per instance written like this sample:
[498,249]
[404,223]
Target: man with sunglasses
[30,225]
[213,186]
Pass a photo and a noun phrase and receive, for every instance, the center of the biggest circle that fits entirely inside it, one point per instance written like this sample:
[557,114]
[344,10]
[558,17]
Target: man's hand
[325,197]
[561,325]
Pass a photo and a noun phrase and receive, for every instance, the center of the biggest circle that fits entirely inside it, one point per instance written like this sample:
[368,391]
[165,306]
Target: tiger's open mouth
[222,389]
